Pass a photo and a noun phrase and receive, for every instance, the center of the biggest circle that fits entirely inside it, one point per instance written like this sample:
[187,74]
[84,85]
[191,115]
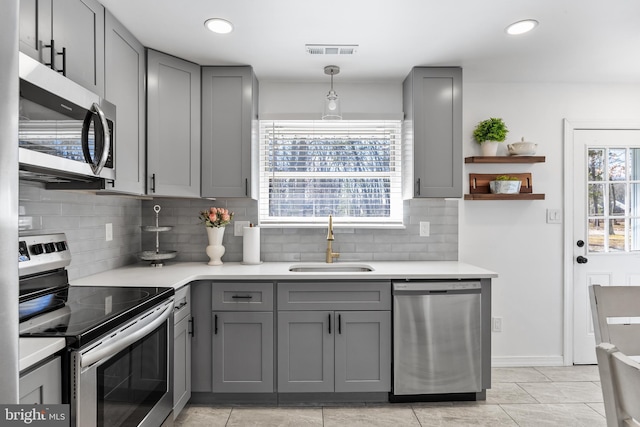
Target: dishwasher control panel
[436,286]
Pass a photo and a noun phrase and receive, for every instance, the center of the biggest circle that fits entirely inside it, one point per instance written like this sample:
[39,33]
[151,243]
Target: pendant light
[332,110]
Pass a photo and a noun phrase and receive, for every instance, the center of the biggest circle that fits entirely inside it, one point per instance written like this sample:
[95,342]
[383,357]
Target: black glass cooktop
[81,314]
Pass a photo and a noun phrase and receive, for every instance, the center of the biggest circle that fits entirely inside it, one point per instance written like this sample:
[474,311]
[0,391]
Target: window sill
[338,226]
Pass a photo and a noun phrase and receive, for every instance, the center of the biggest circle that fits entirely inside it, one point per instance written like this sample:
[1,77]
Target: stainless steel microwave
[65,133]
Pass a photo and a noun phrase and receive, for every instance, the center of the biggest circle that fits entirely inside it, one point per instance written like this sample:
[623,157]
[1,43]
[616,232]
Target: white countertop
[179,274]
[33,350]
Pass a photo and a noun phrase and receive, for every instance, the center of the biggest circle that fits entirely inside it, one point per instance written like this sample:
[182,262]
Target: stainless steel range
[119,339]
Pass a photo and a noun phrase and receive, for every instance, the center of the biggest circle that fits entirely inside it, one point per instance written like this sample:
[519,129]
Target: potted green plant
[505,184]
[488,133]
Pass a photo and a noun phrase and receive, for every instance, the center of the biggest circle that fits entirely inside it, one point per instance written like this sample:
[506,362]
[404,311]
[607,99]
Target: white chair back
[620,380]
[609,303]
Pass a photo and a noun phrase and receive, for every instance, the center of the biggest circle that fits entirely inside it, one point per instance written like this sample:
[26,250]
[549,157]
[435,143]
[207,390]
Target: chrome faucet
[330,254]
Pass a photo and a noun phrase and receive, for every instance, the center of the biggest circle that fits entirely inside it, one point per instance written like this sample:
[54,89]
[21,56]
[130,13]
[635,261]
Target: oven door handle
[125,337]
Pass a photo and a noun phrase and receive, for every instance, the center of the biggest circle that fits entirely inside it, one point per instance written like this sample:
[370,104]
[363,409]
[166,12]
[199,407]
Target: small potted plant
[505,184]
[489,133]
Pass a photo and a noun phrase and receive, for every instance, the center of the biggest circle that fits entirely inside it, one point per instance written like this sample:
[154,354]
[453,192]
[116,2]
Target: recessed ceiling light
[521,27]
[219,25]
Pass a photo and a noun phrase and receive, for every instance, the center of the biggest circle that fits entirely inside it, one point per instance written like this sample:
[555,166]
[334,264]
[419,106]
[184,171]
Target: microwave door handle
[102,139]
[114,346]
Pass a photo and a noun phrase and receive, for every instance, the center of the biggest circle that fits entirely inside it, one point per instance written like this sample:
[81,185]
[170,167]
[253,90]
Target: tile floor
[543,396]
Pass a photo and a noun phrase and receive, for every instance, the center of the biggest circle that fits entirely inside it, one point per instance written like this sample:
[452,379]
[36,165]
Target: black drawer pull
[242,297]
[329,323]
[193,327]
[215,324]
[339,323]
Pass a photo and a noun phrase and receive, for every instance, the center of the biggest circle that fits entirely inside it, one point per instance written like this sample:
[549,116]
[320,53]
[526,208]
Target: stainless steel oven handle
[124,338]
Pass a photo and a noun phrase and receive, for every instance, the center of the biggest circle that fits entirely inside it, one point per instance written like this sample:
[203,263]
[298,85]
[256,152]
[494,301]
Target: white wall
[509,237]
[512,237]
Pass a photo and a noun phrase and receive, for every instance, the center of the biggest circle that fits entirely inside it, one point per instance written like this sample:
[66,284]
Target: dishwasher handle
[441,287]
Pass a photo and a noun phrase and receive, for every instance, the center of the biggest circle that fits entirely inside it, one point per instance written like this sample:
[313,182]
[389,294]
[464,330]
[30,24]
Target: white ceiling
[576,41]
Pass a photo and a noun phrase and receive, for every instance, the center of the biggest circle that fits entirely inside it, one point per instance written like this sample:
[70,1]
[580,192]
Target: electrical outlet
[108,232]
[496,324]
[424,228]
[238,229]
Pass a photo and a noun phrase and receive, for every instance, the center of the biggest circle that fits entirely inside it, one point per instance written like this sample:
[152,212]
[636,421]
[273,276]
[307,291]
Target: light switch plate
[238,227]
[108,232]
[554,216]
[425,228]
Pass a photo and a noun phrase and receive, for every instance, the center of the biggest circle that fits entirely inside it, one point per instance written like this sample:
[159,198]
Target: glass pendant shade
[332,110]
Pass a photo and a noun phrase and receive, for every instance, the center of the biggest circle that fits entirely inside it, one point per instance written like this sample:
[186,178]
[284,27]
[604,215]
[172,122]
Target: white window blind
[347,168]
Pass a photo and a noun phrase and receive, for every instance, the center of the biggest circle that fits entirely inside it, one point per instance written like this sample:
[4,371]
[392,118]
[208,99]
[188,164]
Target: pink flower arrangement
[216,217]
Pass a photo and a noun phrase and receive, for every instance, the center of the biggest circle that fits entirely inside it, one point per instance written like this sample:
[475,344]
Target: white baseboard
[526,361]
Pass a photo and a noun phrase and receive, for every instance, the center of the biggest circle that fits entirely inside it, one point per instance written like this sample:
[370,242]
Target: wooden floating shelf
[505,159]
[519,196]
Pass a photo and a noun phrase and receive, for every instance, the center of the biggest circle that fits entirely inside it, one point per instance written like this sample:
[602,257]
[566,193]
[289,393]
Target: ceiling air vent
[331,49]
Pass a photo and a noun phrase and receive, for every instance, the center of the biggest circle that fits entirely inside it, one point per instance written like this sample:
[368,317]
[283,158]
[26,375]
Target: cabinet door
[35,28]
[181,365]
[124,87]
[432,99]
[42,385]
[229,140]
[173,126]
[202,335]
[243,352]
[305,351]
[78,26]
[363,351]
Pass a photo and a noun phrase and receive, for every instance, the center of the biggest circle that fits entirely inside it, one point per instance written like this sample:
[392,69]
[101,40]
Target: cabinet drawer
[334,295]
[182,304]
[242,296]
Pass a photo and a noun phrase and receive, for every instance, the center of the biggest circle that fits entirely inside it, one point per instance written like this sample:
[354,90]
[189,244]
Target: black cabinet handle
[192,329]
[242,297]
[246,186]
[215,324]
[153,182]
[52,46]
[329,322]
[418,187]
[64,61]
[339,323]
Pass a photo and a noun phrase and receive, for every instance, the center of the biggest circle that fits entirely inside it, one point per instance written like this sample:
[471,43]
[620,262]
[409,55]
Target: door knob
[582,260]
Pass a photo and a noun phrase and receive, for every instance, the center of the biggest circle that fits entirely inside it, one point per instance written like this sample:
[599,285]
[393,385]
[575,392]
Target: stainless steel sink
[330,268]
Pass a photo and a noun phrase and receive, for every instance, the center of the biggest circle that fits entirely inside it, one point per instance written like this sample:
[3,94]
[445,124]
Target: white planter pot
[489,148]
[504,187]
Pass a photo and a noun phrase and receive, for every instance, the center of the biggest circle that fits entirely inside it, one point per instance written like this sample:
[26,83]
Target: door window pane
[634,234]
[596,235]
[617,164]
[596,199]
[595,167]
[617,199]
[616,235]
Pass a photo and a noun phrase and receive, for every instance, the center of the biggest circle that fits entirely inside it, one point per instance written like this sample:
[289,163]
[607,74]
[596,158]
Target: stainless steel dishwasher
[437,337]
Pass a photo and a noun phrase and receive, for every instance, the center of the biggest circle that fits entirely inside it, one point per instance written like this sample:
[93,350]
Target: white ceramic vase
[215,250]
[489,148]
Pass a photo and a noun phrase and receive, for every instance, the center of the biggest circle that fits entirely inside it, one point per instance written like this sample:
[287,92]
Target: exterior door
[606,227]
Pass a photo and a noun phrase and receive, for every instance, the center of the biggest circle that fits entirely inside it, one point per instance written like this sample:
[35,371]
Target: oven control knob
[61,246]
[49,247]
[37,249]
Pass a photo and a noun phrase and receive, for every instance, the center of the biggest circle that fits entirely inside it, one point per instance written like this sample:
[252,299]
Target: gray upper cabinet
[124,87]
[75,25]
[229,132]
[432,101]
[173,126]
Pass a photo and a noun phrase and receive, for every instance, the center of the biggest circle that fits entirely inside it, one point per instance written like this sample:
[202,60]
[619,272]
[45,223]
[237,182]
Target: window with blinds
[347,168]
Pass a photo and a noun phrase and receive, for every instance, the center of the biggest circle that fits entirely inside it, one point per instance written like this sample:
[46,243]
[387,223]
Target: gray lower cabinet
[229,132]
[242,337]
[75,25]
[432,102]
[334,336]
[326,351]
[182,333]
[243,352]
[124,87]
[173,126]
[43,385]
